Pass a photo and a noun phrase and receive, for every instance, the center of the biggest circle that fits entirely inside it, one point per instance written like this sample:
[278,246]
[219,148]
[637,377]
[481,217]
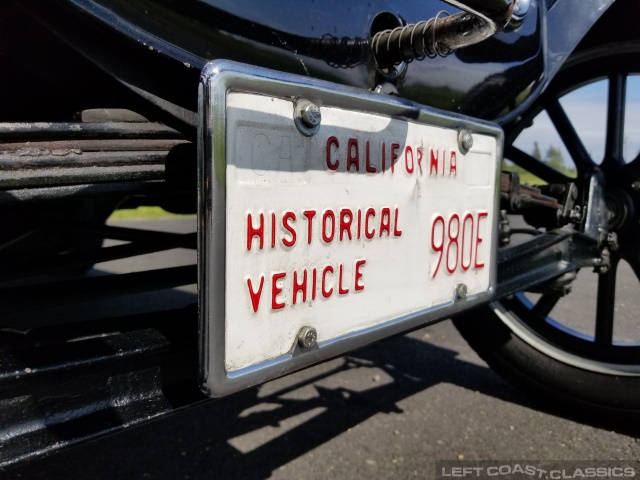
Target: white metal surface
[302,186]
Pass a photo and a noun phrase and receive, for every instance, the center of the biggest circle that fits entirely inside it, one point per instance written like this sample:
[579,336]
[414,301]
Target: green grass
[144,213]
[526,178]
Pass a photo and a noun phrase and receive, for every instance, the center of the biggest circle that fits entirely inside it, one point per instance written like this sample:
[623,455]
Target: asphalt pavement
[387,411]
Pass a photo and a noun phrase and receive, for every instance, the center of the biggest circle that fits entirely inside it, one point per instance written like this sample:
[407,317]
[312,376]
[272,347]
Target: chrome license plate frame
[223,82]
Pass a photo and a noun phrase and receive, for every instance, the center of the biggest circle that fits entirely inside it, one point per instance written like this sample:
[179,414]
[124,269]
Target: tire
[527,345]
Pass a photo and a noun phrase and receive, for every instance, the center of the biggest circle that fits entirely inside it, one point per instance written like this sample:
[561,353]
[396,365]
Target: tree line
[552,157]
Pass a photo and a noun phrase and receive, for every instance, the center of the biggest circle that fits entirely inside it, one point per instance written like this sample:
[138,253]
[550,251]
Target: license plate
[316,239]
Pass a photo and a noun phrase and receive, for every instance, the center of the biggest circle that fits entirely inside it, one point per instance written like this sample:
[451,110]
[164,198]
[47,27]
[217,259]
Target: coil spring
[408,43]
[340,52]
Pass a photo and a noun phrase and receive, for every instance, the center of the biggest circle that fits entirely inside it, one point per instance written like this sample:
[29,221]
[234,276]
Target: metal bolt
[465,141]
[635,185]
[386,89]
[307,337]
[307,117]
[461,291]
[311,115]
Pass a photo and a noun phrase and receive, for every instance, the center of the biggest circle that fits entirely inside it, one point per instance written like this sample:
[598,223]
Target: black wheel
[524,337]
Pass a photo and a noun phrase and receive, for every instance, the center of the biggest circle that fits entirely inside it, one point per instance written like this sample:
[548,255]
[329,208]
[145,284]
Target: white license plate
[377,223]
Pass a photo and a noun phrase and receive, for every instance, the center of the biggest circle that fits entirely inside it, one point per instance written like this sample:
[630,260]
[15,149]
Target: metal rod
[106,130]
[63,147]
[88,190]
[605,305]
[22,164]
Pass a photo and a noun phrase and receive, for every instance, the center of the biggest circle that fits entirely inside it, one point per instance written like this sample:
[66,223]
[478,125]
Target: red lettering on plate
[330,215]
[370,214]
[433,165]
[384,162]
[408,154]
[300,287]
[456,240]
[452,164]
[394,155]
[481,215]
[358,275]
[370,168]
[353,155]
[419,159]
[385,221]
[396,231]
[326,293]
[332,141]
[273,230]
[359,223]
[290,288]
[345,225]
[314,284]
[286,219]
[437,248]
[341,290]
[453,240]
[463,239]
[309,214]
[255,231]
[255,296]
[276,290]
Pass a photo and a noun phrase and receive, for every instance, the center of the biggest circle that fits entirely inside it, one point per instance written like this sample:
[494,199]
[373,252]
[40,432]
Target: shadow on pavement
[242,436]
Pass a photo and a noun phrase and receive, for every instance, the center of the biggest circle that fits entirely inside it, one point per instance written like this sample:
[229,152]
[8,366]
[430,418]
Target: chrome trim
[531,338]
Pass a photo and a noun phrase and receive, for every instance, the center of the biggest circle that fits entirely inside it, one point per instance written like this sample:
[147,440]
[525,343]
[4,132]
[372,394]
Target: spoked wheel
[524,336]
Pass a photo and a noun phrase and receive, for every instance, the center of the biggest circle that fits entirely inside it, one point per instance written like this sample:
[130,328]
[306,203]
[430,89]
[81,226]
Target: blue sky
[587,109]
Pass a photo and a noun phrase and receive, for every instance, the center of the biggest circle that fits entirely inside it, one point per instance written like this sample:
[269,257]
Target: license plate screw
[461,291]
[307,117]
[307,337]
[465,141]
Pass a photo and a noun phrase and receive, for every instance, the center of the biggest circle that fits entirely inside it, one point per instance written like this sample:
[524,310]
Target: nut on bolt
[461,291]
[465,141]
[307,337]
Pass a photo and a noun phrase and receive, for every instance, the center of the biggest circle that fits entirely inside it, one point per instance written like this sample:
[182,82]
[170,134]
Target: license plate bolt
[461,291]
[307,337]
[465,141]
[307,117]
